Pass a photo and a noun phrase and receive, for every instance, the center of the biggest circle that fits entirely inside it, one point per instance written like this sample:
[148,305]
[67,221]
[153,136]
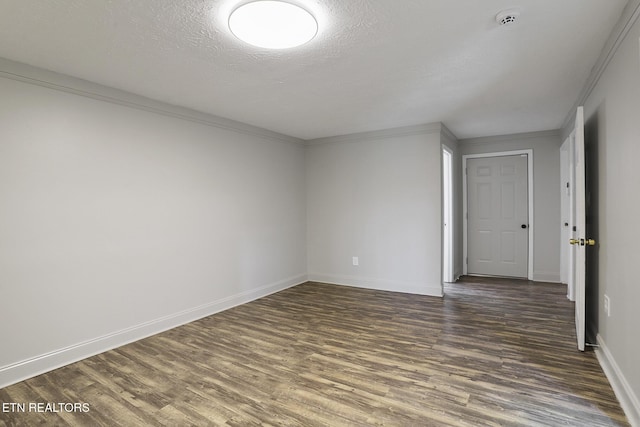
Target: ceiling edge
[447,133]
[427,128]
[629,16]
[38,76]
[512,137]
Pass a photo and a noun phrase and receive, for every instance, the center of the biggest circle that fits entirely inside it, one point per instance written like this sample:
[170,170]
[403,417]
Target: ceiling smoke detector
[507,17]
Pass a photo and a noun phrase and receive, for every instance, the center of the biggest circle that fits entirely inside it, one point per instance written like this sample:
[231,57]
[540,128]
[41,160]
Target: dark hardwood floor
[492,352]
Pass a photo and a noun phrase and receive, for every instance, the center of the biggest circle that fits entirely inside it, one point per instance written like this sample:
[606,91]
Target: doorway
[498,214]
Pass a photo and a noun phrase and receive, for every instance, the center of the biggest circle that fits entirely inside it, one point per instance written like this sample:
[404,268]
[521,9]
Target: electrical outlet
[607,305]
[355,260]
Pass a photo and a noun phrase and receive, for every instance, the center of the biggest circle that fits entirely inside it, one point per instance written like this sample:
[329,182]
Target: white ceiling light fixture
[273,24]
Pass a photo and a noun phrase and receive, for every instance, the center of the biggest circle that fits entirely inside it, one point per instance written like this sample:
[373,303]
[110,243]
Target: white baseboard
[545,276]
[379,284]
[627,398]
[31,367]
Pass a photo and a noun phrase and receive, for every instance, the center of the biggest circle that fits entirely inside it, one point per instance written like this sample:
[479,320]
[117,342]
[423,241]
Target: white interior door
[497,216]
[568,215]
[579,240]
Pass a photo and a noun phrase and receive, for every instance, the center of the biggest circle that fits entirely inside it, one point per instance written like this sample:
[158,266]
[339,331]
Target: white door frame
[529,154]
[447,215]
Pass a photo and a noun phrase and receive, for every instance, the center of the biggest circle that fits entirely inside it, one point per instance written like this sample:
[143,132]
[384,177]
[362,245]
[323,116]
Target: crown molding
[40,77]
[427,128]
[627,20]
[446,132]
[512,137]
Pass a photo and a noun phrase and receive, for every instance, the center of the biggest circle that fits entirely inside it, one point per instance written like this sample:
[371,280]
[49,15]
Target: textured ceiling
[375,64]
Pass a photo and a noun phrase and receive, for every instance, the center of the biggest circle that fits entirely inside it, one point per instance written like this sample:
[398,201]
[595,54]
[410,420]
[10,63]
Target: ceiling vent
[507,17]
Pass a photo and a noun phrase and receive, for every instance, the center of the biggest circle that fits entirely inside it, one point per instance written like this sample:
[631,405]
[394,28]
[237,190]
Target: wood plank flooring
[493,352]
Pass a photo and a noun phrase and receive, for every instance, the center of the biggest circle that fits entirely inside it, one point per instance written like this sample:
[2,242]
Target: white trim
[40,77]
[627,398]
[511,137]
[546,276]
[447,134]
[629,16]
[408,287]
[427,128]
[447,231]
[31,367]
[529,153]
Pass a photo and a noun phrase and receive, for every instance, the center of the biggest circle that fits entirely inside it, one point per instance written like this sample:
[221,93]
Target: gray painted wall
[546,179]
[376,196]
[118,222]
[612,113]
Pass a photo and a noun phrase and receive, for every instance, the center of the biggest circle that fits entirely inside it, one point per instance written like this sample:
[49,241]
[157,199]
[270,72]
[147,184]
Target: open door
[579,239]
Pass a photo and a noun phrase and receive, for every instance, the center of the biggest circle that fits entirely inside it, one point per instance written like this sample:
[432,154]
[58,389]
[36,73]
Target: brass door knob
[582,242]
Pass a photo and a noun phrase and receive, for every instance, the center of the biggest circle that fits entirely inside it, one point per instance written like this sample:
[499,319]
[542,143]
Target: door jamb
[448,230]
[529,153]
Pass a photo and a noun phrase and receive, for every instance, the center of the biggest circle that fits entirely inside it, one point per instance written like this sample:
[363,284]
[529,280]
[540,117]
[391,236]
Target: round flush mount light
[272,24]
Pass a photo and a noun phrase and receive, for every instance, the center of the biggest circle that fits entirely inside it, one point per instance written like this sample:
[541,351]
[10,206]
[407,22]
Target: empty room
[319,212]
